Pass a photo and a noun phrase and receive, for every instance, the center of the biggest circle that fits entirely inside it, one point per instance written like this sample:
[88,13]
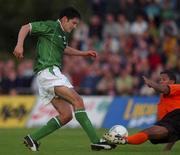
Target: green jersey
[52,41]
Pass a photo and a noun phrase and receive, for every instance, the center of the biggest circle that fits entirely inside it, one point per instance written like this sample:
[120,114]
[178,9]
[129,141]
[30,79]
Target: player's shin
[137,138]
[52,125]
[86,124]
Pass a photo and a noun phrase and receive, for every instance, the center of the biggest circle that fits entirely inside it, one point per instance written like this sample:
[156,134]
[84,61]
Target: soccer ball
[117,135]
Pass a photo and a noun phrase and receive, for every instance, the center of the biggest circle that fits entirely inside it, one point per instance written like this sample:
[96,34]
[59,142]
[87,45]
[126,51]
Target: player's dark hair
[70,13]
[170,74]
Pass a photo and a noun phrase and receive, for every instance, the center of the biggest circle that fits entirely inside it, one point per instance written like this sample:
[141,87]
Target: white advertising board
[96,108]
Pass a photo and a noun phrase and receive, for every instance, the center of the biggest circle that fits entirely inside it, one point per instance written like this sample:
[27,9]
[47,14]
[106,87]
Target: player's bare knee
[156,132]
[147,131]
[78,103]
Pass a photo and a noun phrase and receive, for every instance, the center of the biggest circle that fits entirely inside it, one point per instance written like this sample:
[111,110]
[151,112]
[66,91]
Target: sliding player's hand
[147,81]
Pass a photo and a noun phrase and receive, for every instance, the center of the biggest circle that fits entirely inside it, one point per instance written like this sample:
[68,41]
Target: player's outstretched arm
[72,51]
[157,87]
[19,49]
[169,146]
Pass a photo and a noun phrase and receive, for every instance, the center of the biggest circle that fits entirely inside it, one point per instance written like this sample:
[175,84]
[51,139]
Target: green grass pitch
[72,142]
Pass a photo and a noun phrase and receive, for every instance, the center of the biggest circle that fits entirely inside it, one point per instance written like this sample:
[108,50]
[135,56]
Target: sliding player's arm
[157,87]
[169,146]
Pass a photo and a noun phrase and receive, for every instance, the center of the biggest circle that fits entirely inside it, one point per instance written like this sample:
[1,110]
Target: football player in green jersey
[54,87]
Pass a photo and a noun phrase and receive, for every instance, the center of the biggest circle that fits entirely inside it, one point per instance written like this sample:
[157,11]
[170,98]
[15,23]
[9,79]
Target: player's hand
[147,81]
[18,52]
[91,53]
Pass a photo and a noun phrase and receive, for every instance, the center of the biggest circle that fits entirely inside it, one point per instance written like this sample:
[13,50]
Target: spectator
[168,27]
[123,25]
[129,8]
[81,34]
[124,82]
[95,27]
[110,28]
[111,44]
[1,75]
[154,58]
[152,10]
[90,81]
[106,86]
[139,26]
[9,83]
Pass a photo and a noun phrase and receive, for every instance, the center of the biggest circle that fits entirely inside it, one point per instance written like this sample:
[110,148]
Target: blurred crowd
[132,38]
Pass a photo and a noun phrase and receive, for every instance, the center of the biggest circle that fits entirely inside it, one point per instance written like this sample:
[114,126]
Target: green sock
[84,121]
[52,125]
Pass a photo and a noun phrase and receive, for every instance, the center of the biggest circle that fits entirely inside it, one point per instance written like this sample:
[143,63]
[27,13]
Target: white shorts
[47,79]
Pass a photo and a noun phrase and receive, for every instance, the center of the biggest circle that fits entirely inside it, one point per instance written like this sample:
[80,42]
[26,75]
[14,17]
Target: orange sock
[137,138]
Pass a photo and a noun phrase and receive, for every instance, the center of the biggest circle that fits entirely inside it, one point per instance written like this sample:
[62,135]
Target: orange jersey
[169,102]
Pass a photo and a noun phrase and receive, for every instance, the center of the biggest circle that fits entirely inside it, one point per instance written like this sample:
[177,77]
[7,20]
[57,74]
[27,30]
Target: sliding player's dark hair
[70,13]
[170,74]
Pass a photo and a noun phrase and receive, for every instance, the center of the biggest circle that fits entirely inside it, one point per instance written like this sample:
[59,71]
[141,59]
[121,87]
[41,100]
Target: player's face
[70,24]
[164,79]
